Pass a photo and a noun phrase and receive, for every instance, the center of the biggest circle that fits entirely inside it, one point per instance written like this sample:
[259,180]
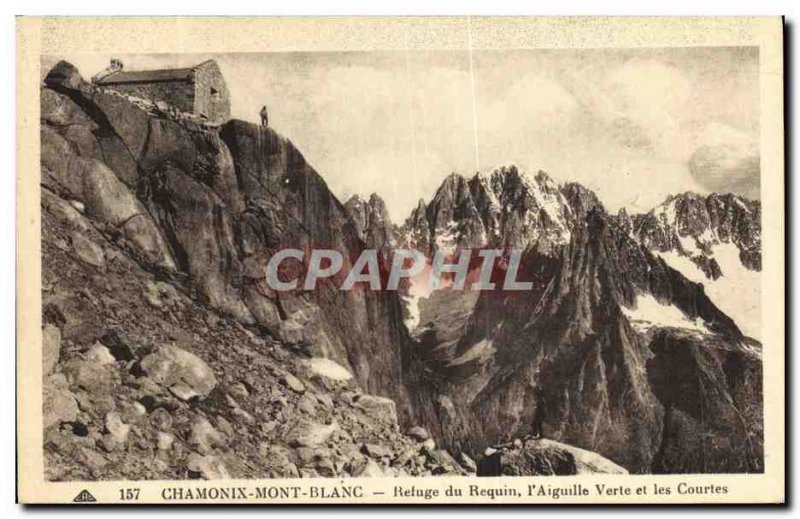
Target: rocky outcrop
[542,457]
[156,232]
[213,205]
[371,221]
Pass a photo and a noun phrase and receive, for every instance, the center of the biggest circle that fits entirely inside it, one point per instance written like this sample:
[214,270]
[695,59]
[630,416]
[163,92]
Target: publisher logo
[84,497]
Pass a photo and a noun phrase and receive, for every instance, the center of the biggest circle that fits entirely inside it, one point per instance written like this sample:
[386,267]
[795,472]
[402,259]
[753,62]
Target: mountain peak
[355,200]
[504,206]
[370,218]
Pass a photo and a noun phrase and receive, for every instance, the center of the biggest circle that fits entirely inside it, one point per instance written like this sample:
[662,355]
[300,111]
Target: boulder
[160,419]
[116,427]
[203,437]
[418,434]
[74,314]
[119,346]
[276,459]
[326,368]
[308,473]
[185,374]
[165,441]
[238,391]
[293,383]
[206,467]
[106,198]
[366,468]
[264,310]
[404,457]
[104,195]
[294,330]
[63,211]
[60,111]
[94,378]
[307,404]
[58,403]
[468,463]
[89,181]
[377,407]
[376,451]
[444,461]
[51,347]
[148,243]
[310,434]
[99,354]
[65,77]
[88,251]
[545,457]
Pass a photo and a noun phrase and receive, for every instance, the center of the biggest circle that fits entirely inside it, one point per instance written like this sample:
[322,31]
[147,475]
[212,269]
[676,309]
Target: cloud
[718,168]
[645,104]
[727,160]
[626,132]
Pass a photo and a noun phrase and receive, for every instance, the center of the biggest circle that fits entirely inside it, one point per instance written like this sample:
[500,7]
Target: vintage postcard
[400,260]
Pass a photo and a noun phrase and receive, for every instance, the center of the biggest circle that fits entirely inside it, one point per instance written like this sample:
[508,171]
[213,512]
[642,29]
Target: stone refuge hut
[199,90]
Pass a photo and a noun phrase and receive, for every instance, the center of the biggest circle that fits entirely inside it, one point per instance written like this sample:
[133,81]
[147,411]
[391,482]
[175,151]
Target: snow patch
[420,288]
[684,265]
[737,292]
[447,238]
[689,245]
[650,313]
[412,306]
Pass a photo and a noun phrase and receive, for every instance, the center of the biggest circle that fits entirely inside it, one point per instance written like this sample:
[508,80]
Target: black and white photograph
[500,269]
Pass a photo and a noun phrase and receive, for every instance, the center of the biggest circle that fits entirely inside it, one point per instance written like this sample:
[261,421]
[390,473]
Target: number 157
[129,494]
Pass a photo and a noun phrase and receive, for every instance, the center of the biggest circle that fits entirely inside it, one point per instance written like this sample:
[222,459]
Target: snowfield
[737,292]
[650,313]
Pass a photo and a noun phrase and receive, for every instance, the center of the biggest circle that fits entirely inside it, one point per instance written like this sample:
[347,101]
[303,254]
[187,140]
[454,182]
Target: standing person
[264,117]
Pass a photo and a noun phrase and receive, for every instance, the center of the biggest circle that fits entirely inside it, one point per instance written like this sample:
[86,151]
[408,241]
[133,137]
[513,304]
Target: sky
[634,125]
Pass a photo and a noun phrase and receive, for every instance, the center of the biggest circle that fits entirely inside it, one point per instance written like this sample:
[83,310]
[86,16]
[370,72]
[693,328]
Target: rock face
[692,224]
[165,355]
[214,205]
[371,220]
[613,350]
[505,208]
[714,240]
[164,344]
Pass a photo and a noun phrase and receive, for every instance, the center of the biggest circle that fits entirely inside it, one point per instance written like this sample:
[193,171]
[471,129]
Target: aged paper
[400,260]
